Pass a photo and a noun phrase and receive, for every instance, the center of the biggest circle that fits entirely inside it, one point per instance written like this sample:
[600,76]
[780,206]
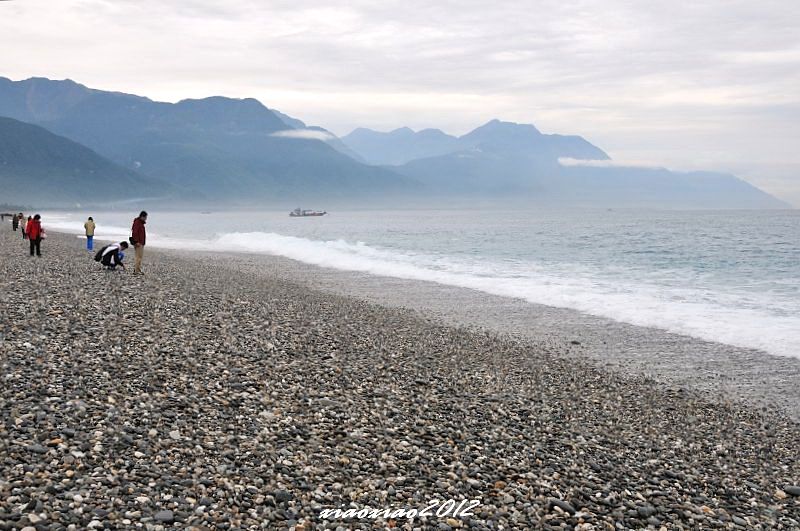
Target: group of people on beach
[110,256]
[31,229]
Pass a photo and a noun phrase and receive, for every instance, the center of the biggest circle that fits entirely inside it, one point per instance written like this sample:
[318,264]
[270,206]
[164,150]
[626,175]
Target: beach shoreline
[721,371]
[262,396]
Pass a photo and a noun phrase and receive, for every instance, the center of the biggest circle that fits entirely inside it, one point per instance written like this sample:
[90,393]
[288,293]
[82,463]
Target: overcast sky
[703,84]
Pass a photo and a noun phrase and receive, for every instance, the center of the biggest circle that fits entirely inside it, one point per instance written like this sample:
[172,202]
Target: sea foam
[684,311]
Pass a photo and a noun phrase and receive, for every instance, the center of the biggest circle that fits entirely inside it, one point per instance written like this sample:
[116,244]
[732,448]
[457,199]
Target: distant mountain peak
[223,112]
[432,132]
[67,81]
[400,145]
[503,136]
[223,100]
[496,125]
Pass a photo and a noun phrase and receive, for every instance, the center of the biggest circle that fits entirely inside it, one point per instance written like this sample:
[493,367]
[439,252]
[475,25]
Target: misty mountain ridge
[399,146]
[240,151]
[403,145]
[515,161]
[219,147]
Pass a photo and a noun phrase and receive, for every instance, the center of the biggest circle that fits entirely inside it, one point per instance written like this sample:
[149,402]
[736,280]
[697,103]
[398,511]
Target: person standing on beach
[22,224]
[138,237]
[34,231]
[14,222]
[89,227]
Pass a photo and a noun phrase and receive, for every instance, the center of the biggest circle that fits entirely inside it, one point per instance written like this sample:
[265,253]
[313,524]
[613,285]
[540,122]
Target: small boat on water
[297,213]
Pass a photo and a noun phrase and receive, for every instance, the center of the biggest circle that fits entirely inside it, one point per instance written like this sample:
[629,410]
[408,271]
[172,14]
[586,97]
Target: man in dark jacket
[138,238]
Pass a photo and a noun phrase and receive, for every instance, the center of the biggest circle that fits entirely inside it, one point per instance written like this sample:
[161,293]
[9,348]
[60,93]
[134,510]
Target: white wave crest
[634,303]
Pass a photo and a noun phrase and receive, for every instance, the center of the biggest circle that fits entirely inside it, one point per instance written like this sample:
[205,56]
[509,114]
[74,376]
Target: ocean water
[726,276]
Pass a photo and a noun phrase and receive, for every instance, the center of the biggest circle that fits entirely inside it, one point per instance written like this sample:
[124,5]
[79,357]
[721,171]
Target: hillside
[39,167]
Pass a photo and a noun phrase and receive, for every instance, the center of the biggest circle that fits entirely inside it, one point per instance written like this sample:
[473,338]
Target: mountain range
[220,148]
[403,145]
[108,145]
[518,163]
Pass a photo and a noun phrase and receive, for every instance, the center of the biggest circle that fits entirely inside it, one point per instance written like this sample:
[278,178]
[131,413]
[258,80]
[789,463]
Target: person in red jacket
[34,231]
[138,238]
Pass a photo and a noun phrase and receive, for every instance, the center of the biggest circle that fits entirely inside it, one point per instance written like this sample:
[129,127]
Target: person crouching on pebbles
[112,255]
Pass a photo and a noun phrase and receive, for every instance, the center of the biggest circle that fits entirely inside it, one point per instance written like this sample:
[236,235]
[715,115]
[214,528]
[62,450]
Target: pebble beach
[207,396]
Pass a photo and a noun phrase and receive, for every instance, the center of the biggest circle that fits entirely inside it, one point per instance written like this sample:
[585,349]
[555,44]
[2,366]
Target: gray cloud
[711,84]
